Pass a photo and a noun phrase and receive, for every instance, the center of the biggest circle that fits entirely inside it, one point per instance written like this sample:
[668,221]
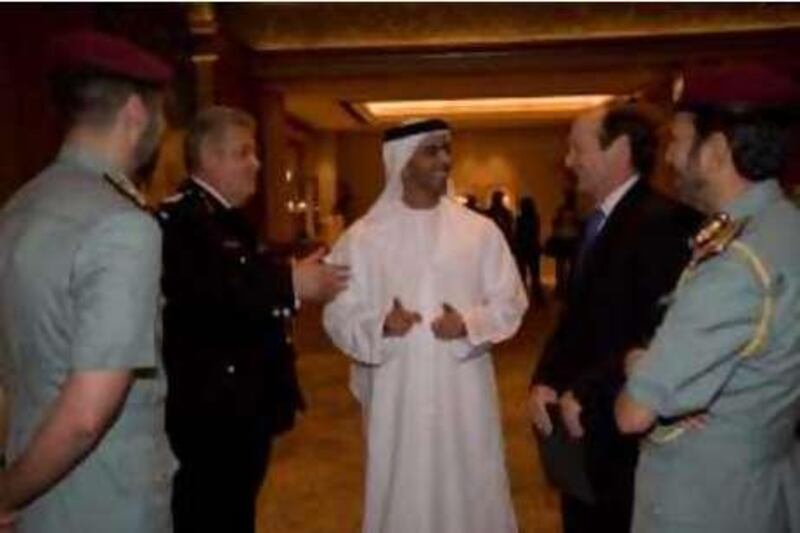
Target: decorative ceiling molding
[583,53]
[285,27]
[327,57]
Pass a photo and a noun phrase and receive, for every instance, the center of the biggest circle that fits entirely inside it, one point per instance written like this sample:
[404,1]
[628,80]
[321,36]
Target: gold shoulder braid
[719,234]
[715,237]
[125,187]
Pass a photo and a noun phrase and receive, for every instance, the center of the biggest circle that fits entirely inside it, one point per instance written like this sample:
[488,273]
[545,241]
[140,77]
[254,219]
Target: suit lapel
[615,226]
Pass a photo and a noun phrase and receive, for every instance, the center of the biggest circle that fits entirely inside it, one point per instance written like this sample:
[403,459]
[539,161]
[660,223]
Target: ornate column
[325,172]
[277,223]
[204,29]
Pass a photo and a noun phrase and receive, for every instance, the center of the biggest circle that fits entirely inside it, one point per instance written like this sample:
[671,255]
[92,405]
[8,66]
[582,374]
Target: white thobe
[435,458]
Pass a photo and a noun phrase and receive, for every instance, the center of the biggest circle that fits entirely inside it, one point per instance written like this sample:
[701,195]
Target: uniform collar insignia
[719,231]
[210,203]
[125,187]
[209,192]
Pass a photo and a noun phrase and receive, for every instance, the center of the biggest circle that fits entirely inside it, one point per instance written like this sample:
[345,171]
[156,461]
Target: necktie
[593,225]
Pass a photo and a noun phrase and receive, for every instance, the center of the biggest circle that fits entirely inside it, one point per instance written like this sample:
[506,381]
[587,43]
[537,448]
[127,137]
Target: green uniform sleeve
[698,346]
[114,289]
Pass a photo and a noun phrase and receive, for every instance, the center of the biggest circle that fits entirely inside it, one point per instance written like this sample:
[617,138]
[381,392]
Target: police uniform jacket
[227,304]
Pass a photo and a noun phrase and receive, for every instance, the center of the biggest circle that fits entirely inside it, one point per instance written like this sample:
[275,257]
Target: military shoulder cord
[718,235]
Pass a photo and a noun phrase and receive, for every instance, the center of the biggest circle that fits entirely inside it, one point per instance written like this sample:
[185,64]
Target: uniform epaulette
[715,237]
[722,233]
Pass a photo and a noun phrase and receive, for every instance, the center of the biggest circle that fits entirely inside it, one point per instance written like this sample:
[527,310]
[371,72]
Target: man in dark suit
[634,246]
[230,365]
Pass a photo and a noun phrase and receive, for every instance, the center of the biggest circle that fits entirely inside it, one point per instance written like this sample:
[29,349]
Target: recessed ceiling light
[476,108]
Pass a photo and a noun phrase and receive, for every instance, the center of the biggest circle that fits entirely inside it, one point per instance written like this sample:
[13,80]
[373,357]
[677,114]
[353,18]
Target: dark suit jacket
[227,356]
[614,305]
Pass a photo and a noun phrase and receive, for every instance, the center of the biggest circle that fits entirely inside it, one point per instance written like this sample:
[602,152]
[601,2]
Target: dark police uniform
[229,362]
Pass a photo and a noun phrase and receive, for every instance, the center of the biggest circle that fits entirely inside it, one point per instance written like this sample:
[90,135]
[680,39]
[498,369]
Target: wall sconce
[296,206]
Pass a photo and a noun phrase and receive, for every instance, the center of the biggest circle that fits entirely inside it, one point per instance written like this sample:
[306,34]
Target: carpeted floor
[315,480]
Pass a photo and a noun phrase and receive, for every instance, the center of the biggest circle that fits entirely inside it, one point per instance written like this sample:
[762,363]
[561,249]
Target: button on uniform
[234,370]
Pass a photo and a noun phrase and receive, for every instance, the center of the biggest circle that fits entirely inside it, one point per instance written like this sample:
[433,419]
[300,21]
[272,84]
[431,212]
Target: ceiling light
[538,107]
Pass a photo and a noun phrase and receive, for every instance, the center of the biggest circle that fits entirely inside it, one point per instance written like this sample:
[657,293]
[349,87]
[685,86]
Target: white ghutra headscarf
[399,145]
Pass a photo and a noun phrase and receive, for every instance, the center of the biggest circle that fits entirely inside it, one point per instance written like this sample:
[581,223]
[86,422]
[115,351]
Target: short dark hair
[95,98]
[212,123]
[632,121]
[758,137]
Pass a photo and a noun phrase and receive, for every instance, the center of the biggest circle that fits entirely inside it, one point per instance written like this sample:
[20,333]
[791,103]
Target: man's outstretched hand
[316,281]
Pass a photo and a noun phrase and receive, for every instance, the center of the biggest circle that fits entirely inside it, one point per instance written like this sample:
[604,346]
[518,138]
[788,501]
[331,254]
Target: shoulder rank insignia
[715,237]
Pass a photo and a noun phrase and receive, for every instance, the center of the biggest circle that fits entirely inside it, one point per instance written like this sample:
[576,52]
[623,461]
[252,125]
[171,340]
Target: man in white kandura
[434,285]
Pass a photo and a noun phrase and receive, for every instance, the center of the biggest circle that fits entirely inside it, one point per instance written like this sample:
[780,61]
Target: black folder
[563,459]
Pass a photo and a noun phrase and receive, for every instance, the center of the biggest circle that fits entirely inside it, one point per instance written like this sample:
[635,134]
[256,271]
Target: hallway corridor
[315,480]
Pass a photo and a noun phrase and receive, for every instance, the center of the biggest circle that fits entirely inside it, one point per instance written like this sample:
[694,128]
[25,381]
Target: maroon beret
[93,51]
[750,85]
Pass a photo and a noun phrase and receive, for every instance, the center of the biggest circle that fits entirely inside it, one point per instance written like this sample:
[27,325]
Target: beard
[692,185]
[692,188]
[146,152]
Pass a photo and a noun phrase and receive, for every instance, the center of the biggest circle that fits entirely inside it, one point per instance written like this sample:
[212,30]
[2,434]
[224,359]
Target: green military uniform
[79,278]
[729,344]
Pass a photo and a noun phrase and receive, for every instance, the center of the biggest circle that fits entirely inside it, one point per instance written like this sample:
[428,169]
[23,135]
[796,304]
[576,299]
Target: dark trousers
[529,263]
[217,483]
[613,516]
[563,272]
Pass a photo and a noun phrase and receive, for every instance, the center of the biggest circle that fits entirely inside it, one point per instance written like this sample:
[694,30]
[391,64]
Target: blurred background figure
[528,249]
[472,203]
[501,215]
[564,234]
